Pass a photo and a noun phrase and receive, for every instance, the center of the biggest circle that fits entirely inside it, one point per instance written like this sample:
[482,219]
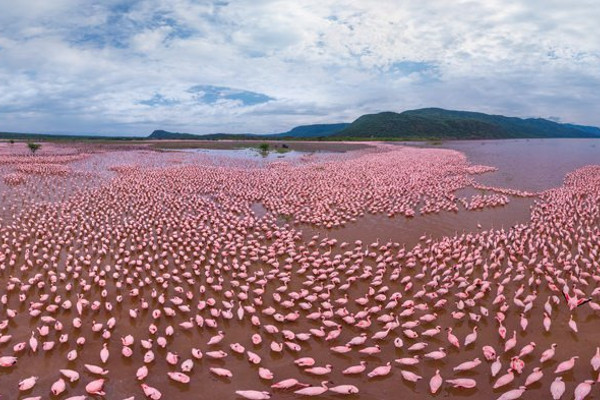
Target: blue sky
[128,67]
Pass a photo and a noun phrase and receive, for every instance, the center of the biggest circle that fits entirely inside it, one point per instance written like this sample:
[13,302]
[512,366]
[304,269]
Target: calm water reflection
[529,164]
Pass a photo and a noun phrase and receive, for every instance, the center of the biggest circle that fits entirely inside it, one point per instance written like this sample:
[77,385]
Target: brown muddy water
[529,164]
[534,165]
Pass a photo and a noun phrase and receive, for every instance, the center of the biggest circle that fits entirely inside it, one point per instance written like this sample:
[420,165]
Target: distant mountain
[166,135]
[589,129]
[437,123]
[56,137]
[313,131]
[299,132]
[163,135]
[422,124]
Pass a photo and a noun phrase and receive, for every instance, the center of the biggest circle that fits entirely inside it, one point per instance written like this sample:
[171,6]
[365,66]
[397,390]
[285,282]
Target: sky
[128,67]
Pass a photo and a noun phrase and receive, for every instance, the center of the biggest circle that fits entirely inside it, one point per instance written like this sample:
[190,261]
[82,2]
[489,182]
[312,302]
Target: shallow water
[509,156]
[529,164]
[248,154]
[407,231]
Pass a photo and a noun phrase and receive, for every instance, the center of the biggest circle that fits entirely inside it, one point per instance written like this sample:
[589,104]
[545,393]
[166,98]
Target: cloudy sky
[129,67]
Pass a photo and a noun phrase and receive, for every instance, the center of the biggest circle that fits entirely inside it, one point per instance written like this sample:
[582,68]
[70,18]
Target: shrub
[33,147]
[264,147]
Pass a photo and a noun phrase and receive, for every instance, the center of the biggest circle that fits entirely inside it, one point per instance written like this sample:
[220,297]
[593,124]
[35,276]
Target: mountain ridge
[419,124]
[301,131]
[438,123]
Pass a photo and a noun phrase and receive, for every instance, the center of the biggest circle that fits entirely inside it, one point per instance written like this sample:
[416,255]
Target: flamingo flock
[160,281]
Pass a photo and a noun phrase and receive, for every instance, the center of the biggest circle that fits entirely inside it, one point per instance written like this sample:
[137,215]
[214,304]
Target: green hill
[437,123]
[160,134]
[299,132]
[313,131]
[589,129]
[422,124]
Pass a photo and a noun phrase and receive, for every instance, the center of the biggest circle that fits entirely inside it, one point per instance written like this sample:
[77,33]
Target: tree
[33,147]
[264,147]
[12,141]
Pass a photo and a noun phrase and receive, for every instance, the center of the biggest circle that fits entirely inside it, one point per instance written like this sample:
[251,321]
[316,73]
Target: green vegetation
[165,135]
[437,124]
[33,147]
[313,131]
[299,132]
[264,147]
[427,124]
[282,150]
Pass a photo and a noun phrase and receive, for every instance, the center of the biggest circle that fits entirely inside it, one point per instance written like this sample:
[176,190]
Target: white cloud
[72,65]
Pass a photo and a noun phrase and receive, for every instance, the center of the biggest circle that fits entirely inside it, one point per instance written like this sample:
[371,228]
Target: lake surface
[248,154]
[525,164]
[529,164]
[533,165]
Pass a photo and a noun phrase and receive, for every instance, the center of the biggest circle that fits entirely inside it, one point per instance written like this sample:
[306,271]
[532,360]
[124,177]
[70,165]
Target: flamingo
[557,388]
[566,365]
[583,389]
[435,382]
[253,394]
[313,390]
[344,389]
[381,370]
